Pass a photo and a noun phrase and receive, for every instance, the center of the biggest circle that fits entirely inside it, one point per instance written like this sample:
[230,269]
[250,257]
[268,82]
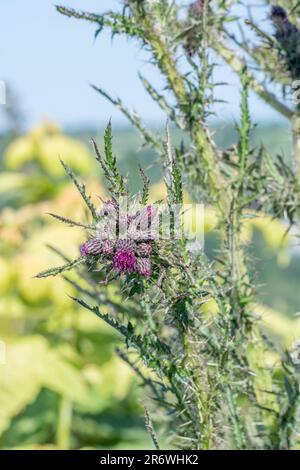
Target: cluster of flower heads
[126,239]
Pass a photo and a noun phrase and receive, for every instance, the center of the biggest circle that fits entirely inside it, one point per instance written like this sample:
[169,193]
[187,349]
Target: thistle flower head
[92,247]
[144,267]
[124,259]
[288,35]
[125,244]
[150,211]
[124,238]
[110,206]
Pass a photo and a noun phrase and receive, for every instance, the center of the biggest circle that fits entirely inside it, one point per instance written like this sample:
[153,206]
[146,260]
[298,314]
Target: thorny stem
[206,154]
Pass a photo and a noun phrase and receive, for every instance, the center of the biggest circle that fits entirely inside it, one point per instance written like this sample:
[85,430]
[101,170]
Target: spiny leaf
[146,381]
[101,160]
[70,222]
[134,118]
[145,189]
[162,102]
[245,127]
[109,156]
[109,165]
[174,181]
[81,15]
[61,269]
[81,188]
[105,317]
[118,23]
[151,430]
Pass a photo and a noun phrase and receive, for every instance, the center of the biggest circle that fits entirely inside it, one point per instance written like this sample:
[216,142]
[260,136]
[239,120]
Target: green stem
[238,431]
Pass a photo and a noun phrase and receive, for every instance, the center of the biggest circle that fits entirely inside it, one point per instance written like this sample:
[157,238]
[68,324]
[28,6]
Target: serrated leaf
[81,188]
[61,269]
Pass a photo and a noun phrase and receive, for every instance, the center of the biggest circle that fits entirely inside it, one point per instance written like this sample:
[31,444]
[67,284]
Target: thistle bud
[125,244]
[144,267]
[107,247]
[144,249]
[91,247]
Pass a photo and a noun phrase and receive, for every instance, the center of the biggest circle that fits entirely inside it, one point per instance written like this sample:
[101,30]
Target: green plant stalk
[238,430]
[240,282]
[206,154]
[203,398]
[262,382]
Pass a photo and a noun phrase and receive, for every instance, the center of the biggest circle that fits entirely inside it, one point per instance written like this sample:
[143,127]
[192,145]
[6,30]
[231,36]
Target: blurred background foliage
[62,385]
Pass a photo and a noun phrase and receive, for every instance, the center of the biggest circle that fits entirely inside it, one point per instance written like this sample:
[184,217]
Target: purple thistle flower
[125,261]
[144,249]
[144,267]
[91,247]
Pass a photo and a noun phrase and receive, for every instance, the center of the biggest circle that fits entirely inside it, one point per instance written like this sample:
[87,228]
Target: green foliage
[109,164]
[207,372]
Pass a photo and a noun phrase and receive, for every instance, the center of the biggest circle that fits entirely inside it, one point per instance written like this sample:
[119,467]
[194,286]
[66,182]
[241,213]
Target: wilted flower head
[196,8]
[288,36]
[278,12]
[284,28]
[193,26]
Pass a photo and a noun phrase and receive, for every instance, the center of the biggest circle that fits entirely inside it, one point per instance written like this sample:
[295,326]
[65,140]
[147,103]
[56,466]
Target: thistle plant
[189,324]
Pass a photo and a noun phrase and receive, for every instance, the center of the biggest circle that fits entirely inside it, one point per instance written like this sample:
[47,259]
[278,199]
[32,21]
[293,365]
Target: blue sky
[50,61]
